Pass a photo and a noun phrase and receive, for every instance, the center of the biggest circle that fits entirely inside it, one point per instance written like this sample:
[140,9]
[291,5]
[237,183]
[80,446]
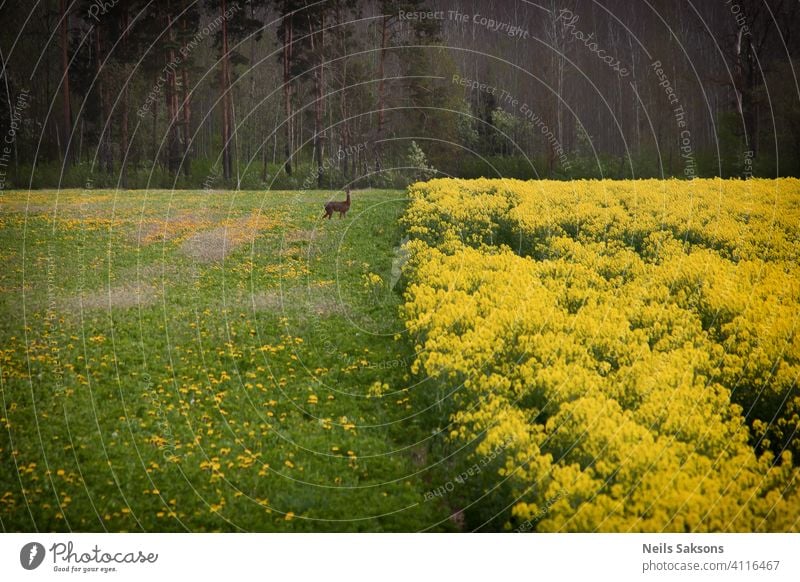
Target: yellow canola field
[632,347]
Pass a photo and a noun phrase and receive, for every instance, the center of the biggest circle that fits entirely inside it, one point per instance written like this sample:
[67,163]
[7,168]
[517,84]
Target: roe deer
[335,206]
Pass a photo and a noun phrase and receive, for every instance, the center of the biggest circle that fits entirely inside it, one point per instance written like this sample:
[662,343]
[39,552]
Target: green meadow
[209,361]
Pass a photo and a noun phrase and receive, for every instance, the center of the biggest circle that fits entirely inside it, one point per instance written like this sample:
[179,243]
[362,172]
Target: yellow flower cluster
[636,342]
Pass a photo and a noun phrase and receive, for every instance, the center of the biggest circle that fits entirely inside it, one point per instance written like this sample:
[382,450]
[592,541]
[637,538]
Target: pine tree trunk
[251,136]
[173,155]
[104,149]
[318,48]
[123,139]
[153,132]
[226,117]
[187,115]
[287,94]
[124,125]
[66,110]
[381,94]
[185,109]
[343,113]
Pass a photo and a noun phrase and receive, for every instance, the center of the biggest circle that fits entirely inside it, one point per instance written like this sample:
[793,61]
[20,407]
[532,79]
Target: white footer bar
[401,557]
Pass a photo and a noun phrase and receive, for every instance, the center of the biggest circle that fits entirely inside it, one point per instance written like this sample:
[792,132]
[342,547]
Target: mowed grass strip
[207,361]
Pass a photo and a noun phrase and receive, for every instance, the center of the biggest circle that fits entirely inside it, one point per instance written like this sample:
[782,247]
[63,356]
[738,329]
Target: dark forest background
[285,94]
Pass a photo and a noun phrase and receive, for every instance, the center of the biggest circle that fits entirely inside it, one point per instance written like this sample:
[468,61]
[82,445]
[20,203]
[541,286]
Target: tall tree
[387,17]
[234,26]
[171,93]
[317,37]
[390,17]
[124,21]
[302,57]
[226,97]
[557,38]
[287,29]
[66,111]
[105,154]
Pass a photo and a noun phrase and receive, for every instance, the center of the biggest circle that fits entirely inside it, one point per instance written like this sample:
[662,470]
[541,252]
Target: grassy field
[208,361]
[470,355]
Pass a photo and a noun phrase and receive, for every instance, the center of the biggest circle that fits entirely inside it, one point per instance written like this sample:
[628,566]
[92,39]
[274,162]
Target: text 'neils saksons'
[664,548]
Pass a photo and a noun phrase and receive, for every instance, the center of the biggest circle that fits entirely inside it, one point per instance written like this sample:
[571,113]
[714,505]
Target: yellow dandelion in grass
[158,441]
[245,461]
[289,516]
[213,464]
[312,399]
[377,389]
[289,464]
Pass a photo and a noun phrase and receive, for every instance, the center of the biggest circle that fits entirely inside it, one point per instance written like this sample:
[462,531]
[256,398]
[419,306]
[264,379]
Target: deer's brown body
[337,206]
